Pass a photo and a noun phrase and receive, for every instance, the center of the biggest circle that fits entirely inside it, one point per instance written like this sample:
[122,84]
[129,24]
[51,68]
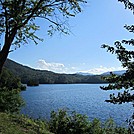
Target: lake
[86,99]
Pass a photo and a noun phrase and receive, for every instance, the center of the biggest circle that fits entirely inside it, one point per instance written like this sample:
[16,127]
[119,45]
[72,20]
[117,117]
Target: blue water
[86,99]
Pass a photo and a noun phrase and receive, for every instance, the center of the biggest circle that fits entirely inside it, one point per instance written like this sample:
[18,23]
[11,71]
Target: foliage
[10,87]
[33,82]
[126,56]
[63,123]
[20,15]
[125,81]
[60,123]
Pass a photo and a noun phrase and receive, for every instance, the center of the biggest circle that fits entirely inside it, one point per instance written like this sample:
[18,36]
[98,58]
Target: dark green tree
[33,82]
[17,20]
[10,87]
[126,57]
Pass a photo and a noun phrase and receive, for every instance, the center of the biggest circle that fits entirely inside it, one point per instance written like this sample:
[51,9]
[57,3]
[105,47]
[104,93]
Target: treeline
[27,74]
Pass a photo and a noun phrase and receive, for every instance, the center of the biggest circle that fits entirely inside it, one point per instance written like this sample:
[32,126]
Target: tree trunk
[5,50]
[3,55]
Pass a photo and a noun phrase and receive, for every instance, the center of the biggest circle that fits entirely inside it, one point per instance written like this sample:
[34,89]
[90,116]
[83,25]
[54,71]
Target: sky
[101,22]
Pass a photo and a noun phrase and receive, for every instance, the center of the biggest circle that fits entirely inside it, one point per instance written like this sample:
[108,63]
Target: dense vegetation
[33,82]
[27,74]
[60,123]
[10,87]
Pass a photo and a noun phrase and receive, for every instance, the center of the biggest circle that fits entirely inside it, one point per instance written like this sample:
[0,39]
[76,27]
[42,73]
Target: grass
[19,124]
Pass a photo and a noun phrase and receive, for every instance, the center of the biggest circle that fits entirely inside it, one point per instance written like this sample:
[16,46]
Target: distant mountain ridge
[115,72]
[120,72]
[47,77]
[83,73]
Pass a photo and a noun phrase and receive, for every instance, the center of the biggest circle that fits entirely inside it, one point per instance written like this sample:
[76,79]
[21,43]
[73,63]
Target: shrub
[63,123]
[10,87]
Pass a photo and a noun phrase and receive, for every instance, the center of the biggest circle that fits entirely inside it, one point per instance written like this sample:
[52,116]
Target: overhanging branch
[35,9]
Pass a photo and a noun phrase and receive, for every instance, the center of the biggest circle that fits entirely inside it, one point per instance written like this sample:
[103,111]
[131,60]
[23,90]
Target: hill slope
[17,124]
[47,77]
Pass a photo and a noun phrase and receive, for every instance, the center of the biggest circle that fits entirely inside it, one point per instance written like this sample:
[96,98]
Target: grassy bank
[18,124]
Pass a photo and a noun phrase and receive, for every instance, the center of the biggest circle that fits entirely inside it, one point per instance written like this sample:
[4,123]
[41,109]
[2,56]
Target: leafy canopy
[18,21]
[17,18]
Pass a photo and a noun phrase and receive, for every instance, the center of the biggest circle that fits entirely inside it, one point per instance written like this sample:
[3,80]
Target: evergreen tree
[126,80]
[10,88]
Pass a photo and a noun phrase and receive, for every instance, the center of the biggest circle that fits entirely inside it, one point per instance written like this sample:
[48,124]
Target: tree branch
[35,9]
[30,16]
[48,20]
[6,22]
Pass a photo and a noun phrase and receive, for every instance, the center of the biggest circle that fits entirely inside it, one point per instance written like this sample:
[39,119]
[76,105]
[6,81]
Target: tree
[33,82]
[10,87]
[17,20]
[126,57]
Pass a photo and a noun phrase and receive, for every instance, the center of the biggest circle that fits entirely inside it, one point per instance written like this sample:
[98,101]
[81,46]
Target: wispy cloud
[61,68]
[102,69]
[55,67]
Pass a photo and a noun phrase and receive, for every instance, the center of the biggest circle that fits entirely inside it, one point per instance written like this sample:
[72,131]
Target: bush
[63,123]
[10,87]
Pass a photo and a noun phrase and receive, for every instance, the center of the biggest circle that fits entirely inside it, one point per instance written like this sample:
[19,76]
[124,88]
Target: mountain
[85,74]
[115,72]
[27,74]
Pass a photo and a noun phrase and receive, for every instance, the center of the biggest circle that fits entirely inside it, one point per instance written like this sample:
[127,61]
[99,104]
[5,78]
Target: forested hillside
[27,74]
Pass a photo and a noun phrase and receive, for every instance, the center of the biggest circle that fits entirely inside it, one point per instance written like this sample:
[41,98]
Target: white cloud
[102,69]
[56,67]
[61,68]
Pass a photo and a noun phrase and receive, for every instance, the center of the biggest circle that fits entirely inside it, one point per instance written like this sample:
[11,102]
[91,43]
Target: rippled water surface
[86,99]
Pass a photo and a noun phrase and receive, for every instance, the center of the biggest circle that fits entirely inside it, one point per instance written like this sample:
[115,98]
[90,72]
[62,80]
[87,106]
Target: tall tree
[17,20]
[126,57]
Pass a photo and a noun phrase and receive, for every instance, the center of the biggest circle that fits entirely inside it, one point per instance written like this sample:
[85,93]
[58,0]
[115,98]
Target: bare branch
[48,20]
[36,8]
[6,22]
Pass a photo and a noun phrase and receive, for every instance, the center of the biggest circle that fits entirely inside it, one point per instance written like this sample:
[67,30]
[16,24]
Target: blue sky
[100,22]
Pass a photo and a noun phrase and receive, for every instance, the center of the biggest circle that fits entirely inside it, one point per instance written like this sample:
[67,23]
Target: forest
[27,74]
